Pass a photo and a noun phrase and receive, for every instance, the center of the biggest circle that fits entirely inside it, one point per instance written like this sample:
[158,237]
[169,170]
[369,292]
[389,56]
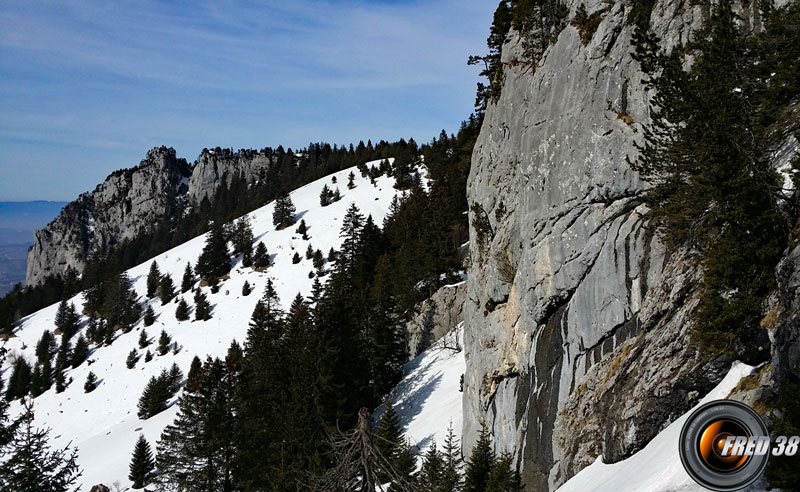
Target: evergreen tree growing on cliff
[214,261]
[142,463]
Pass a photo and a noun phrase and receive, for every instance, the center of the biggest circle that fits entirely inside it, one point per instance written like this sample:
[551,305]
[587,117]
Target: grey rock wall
[212,168]
[436,317]
[576,315]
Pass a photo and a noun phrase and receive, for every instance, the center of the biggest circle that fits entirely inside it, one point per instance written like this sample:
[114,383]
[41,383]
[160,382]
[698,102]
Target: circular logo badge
[724,445]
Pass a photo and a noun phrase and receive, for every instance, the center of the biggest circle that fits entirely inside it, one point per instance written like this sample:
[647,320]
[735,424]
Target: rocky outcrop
[217,166]
[436,316]
[128,203]
[576,315]
[133,201]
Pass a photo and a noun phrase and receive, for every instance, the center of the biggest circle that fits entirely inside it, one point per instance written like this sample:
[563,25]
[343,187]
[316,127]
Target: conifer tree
[202,309]
[91,383]
[164,341]
[389,434]
[19,383]
[37,384]
[61,383]
[133,357]
[337,195]
[32,466]
[182,311]
[142,463]
[260,257]
[480,463]
[331,255]
[46,346]
[80,351]
[432,471]
[154,398]
[243,240]
[148,356]
[144,339]
[188,279]
[166,289]
[325,196]
[246,289]
[452,462]
[309,252]
[149,316]
[302,229]
[153,279]
[503,478]
[120,305]
[195,372]
[296,258]
[214,261]
[174,378]
[351,181]
[66,320]
[64,356]
[283,214]
[318,260]
[47,375]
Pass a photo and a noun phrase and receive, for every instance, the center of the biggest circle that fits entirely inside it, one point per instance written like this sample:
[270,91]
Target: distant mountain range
[18,221]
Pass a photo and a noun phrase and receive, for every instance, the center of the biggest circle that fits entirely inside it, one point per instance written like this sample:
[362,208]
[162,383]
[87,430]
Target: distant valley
[18,221]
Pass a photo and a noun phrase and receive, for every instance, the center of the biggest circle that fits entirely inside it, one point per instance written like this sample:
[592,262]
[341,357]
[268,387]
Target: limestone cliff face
[131,202]
[212,168]
[576,315]
[128,203]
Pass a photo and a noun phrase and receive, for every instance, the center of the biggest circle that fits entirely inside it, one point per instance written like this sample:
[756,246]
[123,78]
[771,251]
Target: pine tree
[480,463]
[202,309]
[37,384]
[47,375]
[452,462]
[197,451]
[389,434]
[432,471]
[309,252]
[142,463]
[174,378]
[166,289]
[61,383]
[91,330]
[164,341]
[318,260]
[120,308]
[503,478]
[261,257]
[144,339]
[188,279]
[91,383]
[283,214]
[331,255]
[302,229]
[214,261]
[149,316]
[153,279]
[154,398]
[19,383]
[243,240]
[246,289]
[351,181]
[195,372]
[133,358]
[80,352]
[32,466]
[337,195]
[182,311]
[325,196]
[148,356]
[46,346]
[296,258]
[66,320]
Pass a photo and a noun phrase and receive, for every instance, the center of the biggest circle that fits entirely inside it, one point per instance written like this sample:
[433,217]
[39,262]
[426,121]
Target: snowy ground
[428,399]
[103,424]
[657,467]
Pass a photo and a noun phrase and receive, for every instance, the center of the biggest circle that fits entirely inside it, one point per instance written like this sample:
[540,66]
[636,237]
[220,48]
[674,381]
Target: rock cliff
[128,203]
[131,202]
[576,315]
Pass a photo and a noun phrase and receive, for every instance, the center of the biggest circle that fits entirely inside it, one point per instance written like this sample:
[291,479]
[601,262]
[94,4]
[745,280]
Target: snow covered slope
[428,398]
[657,467]
[103,424]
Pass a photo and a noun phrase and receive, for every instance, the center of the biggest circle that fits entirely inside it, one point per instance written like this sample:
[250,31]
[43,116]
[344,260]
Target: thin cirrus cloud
[88,87]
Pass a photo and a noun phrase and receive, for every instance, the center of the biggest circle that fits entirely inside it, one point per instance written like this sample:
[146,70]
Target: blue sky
[89,87]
